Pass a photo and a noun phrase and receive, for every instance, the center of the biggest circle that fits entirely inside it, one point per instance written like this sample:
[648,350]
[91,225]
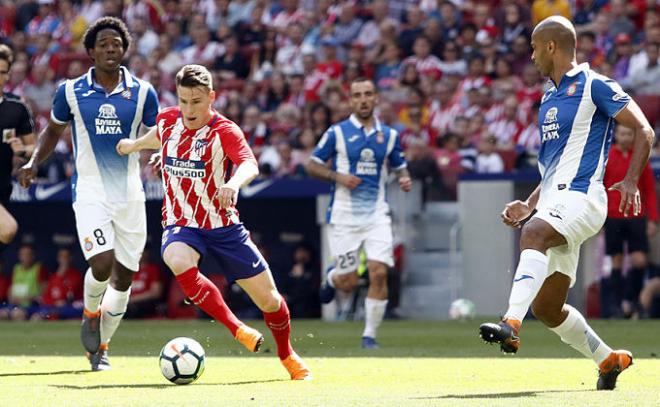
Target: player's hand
[27,174]
[156,161]
[651,228]
[348,180]
[405,183]
[125,146]
[227,197]
[629,197]
[515,212]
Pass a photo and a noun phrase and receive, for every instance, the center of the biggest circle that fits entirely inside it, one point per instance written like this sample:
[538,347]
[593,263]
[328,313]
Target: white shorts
[345,242]
[104,226]
[577,217]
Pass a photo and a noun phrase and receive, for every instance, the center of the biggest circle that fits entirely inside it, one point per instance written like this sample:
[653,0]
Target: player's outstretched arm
[317,170]
[632,116]
[147,142]
[46,143]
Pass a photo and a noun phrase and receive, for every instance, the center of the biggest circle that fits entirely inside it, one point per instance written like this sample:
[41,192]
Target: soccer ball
[182,360]
[461,309]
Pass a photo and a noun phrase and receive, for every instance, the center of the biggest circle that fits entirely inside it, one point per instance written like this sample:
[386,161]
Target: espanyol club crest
[126,94]
[379,137]
[200,147]
[88,244]
[571,89]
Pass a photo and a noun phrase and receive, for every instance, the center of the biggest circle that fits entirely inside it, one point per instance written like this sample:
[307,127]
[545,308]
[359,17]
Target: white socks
[113,307]
[374,311]
[93,291]
[575,332]
[530,275]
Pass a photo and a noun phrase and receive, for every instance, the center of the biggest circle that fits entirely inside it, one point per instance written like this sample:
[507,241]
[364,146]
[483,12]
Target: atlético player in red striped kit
[197,146]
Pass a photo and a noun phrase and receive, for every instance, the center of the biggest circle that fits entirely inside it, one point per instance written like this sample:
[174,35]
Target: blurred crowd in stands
[38,289]
[454,76]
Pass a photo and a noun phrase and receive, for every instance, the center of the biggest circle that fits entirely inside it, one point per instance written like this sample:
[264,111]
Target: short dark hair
[191,76]
[362,79]
[110,23]
[6,54]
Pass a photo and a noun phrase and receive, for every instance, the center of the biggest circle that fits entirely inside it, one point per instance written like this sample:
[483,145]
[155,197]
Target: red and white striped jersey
[195,165]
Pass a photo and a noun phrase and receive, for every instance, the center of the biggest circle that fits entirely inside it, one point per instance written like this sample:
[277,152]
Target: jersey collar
[377,127]
[583,67]
[125,82]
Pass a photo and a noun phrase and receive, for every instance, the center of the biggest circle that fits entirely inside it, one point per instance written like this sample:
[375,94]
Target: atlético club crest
[571,89]
[199,147]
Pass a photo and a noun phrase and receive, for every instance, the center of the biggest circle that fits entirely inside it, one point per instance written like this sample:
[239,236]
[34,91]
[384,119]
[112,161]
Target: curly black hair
[112,23]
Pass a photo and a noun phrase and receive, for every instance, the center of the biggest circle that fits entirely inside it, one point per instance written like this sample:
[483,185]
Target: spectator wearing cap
[426,64]
[646,81]
[542,9]
[622,52]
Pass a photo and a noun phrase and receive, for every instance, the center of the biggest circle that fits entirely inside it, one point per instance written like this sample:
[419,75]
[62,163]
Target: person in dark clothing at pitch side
[17,131]
[619,295]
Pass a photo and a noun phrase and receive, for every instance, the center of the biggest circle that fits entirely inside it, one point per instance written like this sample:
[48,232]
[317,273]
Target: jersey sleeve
[608,96]
[26,125]
[326,148]
[235,146]
[151,108]
[396,157]
[61,112]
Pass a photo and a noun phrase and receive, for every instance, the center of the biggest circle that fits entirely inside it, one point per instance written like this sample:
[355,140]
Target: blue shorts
[231,246]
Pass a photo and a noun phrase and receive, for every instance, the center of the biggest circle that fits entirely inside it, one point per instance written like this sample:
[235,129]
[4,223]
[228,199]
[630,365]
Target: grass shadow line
[61,372]
[158,386]
[506,395]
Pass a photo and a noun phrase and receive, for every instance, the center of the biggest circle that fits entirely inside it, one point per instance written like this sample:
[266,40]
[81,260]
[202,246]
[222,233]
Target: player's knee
[345,282]
[271,302]
[638,259]
[533,236]
[102,265]
[378,275]
[8,231]
[178,262]
[121,281]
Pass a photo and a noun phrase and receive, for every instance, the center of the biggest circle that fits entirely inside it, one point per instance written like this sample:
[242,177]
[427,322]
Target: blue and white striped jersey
[366,156]
[99,121]
[576,123]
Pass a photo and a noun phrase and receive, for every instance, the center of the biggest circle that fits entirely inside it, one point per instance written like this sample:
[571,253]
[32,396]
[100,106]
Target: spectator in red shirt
[633,230]
[146,290]
[63,292]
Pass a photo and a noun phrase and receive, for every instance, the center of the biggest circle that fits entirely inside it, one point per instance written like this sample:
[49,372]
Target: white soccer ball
[182,360]
[461,309]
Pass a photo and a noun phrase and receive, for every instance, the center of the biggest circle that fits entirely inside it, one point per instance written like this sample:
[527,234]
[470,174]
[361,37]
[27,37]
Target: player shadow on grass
[61,372]
[159,385]
[517,394]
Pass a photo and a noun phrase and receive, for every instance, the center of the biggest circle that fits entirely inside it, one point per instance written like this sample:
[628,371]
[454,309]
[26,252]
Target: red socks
[203,293]
[279,324]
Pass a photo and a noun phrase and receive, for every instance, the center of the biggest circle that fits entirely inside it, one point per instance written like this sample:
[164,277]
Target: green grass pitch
[421,363]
